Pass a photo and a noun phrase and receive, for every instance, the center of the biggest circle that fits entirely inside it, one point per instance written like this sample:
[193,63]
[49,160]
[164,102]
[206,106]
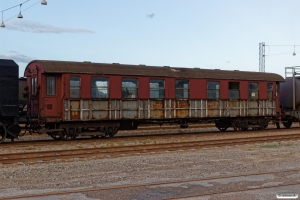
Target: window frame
[250,91]
[161,90]
[99,88]
[182,90]
[231,88]
[270,91]
[75,87]
[128,88]
[49,87]
[33,85]
[211,91]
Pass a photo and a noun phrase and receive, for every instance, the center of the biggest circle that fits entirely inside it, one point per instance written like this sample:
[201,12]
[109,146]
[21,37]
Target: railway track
[69,155]
[187,181]
[132,136]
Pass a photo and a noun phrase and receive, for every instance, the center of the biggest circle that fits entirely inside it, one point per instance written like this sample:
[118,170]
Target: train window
[253,90]
[234,90]
[157,88]
[270,90]
[129,88]
[99,87]
[74,87]
[182,89]
[33,85]
[50,85]
[213,90]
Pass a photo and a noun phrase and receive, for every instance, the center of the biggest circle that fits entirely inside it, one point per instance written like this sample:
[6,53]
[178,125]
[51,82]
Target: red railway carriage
[83,98]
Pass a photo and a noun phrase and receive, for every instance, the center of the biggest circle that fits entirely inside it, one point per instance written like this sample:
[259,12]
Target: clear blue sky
[212,34]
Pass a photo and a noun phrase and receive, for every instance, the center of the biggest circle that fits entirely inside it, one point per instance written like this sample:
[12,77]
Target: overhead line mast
[262,54]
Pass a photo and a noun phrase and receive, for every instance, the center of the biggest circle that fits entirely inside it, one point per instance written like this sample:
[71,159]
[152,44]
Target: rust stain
[75,115]
[182,113]
[158,104]
[211,113]
[100,116]
[233,104]
[213,104]
[182,104]
[157,114]
[75,105]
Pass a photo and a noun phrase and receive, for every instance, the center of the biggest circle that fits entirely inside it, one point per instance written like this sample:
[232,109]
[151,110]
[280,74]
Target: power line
[283,45]
[43,2]
[23,11]
[262,54]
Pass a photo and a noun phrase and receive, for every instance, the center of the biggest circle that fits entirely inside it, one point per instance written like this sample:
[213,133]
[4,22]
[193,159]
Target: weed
[30,148]
[270,146]
[121,144]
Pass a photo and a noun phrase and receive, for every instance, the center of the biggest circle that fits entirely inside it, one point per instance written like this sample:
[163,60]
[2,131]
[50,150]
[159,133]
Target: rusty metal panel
[130,109]
[143,109]
[75,109]
[67,112]
[233,108]
[202,112]
[196,108]
[182,108]
[100,105]
[213,108]
[193,108]
[271,110]
[168,108]
[157,108]
[85,110]
[97,114]
[85,115]
[100,109]
[253,108]
[115,109]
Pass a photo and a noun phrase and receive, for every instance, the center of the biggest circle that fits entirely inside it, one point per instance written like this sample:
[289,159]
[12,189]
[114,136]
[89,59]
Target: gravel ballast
[20,179]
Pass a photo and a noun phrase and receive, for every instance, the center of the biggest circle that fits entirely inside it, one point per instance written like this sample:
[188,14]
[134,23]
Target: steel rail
[164,183]
[128,137]
[41,156]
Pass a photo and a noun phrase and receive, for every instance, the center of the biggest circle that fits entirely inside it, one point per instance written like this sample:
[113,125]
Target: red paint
[53,106]
[243,90]
[263,91]
[144,88]
[223,89]
[170,88]
[85,86]
[198,89]
[115,87]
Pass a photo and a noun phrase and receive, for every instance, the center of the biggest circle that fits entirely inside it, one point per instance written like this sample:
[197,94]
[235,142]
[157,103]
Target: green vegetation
[277,145]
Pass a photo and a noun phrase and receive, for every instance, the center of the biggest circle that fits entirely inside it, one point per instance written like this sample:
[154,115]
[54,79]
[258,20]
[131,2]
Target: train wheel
[55,135]
[287,124]
[236,125]
[3,133]
[222,128]
[244,128]
[184,126]
[64,135]
[110,131]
